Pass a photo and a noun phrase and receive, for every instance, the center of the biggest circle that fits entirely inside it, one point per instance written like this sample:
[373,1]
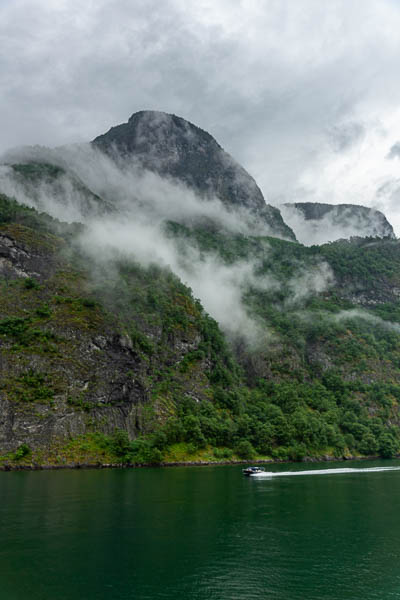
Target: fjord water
[201,533]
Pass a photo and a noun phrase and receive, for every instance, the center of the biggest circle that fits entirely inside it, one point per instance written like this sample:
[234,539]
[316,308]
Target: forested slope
[122,363]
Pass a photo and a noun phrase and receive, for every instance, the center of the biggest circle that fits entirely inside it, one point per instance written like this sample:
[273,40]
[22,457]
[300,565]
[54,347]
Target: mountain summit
[173,147]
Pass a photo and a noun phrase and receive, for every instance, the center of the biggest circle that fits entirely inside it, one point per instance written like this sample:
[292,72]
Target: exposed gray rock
[99,380]
[174,147]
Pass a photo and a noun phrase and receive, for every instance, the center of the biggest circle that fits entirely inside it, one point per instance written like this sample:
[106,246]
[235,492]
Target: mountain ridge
[317,222]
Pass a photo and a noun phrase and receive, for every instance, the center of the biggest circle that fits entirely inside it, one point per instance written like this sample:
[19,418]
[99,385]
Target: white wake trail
[323,472]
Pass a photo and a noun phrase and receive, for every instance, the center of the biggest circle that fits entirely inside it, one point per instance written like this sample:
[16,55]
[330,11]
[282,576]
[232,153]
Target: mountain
[136,337]
[316,223]
[175,148]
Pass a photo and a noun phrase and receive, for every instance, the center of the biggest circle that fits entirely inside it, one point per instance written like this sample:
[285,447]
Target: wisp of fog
[125,208]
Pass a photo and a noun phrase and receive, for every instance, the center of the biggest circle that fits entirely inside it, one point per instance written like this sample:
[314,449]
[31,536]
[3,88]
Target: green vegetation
[22,332]
[23,451]
[36,172]
[134,341]
[18,214]
[29,387]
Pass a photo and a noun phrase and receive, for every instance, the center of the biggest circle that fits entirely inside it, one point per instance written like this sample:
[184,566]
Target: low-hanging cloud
[122,184]
[356,313]
[141,203]
[332,223]
[346,316]
[219,286]
[309,281]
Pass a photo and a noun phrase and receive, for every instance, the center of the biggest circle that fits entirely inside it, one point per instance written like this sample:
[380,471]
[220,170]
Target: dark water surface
[200,533]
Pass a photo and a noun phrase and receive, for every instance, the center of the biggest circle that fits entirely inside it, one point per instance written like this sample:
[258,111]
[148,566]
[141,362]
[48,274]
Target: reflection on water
[201,533]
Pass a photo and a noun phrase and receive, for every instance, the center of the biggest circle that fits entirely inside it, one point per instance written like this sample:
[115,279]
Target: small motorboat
[252,471]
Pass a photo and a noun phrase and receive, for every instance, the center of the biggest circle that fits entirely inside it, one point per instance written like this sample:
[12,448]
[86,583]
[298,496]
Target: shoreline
[44,467]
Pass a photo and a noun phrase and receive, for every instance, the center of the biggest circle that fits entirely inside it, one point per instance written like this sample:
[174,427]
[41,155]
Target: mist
[125,208]
[138,204]
[357,313]
[341,222]
[123,184]
[309,281]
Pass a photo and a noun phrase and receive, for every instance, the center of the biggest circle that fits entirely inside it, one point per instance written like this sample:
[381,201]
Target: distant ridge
[315,222]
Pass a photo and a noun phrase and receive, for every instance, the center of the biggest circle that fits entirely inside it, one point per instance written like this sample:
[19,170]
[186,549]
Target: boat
[252,471]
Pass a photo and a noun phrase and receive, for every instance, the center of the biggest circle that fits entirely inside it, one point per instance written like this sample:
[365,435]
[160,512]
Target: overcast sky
[304,93]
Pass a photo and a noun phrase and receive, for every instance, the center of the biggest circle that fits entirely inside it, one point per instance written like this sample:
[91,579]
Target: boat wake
[264,474]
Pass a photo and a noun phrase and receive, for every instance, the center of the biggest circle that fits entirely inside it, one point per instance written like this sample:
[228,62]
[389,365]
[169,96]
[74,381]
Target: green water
[200,533]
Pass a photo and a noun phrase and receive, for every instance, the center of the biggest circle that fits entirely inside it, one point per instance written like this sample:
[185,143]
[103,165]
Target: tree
[244,449]
[387,446]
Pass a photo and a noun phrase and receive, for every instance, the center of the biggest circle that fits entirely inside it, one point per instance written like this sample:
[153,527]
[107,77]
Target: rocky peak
[174,147]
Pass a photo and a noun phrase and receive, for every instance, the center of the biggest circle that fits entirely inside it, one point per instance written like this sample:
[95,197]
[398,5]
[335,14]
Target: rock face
[174,147]
[116,403]
[315,223]
[66,363]
[80,357]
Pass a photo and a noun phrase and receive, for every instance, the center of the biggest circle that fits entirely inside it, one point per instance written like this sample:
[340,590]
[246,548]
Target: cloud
[356,313]
[219,286]
[309,282]
[294,91]
[123,183]
[356,176]
[141,202]
[394,151]
[132,226]
[343,136]
[344,316]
